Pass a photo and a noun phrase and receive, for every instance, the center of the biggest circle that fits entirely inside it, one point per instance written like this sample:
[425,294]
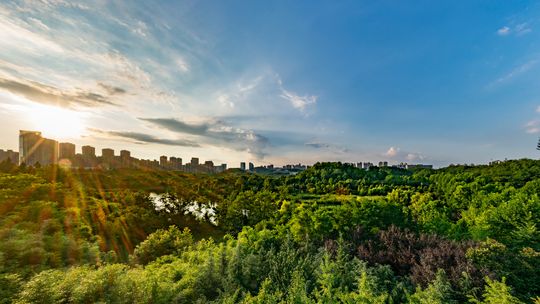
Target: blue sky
[276,81]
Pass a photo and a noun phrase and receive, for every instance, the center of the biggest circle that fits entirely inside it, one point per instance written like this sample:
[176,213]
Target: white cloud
[250,86]
[39,24]
[522,29]
[182,65]
[298,102]
[517,71]
[398,154]
[238,92]
[538,109]
[225,101]
[533,126]
[141,29]
[17,38]
[392,152]
[503,31]
[518,30]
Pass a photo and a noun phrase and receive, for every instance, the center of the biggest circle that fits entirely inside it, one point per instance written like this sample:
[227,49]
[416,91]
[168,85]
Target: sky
[276,82]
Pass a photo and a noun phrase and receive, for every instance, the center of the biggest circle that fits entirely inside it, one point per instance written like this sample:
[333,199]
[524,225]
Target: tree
[162,242]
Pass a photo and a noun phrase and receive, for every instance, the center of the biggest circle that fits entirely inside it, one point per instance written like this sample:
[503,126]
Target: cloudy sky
[278,82]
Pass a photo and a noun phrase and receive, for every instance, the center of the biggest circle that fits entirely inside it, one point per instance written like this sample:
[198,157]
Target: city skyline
[35,149]
[276,83]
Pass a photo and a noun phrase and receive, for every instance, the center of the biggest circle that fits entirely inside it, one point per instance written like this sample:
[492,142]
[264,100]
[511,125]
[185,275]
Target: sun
[57,123]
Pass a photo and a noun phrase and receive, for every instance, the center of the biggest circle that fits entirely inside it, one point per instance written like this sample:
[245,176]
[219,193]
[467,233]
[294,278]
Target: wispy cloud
[239,92]
[326,146]
[216,133]
[522,29]
[517,30]
[111,90]
[533,127]
[317,145]
[41,93]
[261,91]
[519,70]
[179,126]
[299,102]
[142,138]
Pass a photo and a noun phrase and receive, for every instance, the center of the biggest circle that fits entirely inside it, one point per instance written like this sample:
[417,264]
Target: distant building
[66,151]
[29,142]
[88,151]
[243,166]
[163,161]
[402,165]
[251,166]
[209,164]
[367,165]
[175,163]
[418,166]
[383,164]
[34,149]
[11,155]
[125,159]
[107,153]
[125,154]
[194,161]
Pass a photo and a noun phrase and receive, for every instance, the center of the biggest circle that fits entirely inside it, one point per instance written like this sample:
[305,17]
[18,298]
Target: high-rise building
[49,151]
[251,167]
[125,154]
[209,164]
[175,163]
[125,158]
[34,149]
[243,166]
[66,150]
[194,161]
[88,151]
[107,153]
[163,161]
[29,142]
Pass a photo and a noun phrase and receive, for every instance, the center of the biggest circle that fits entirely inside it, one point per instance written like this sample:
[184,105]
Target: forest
[330,234]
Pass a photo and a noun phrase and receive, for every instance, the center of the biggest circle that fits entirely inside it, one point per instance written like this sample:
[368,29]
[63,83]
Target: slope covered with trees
[330,234]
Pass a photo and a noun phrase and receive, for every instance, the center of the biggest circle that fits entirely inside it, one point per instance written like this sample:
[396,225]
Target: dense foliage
[330,234]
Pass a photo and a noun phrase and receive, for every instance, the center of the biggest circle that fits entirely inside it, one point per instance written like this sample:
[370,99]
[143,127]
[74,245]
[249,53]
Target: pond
[169,203]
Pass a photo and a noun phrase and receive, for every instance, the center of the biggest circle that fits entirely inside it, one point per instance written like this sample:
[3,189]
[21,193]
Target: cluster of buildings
[35,149]
[384,164]
[9,154]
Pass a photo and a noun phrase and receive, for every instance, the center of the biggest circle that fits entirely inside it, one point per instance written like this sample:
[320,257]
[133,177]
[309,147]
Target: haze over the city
[279,82]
